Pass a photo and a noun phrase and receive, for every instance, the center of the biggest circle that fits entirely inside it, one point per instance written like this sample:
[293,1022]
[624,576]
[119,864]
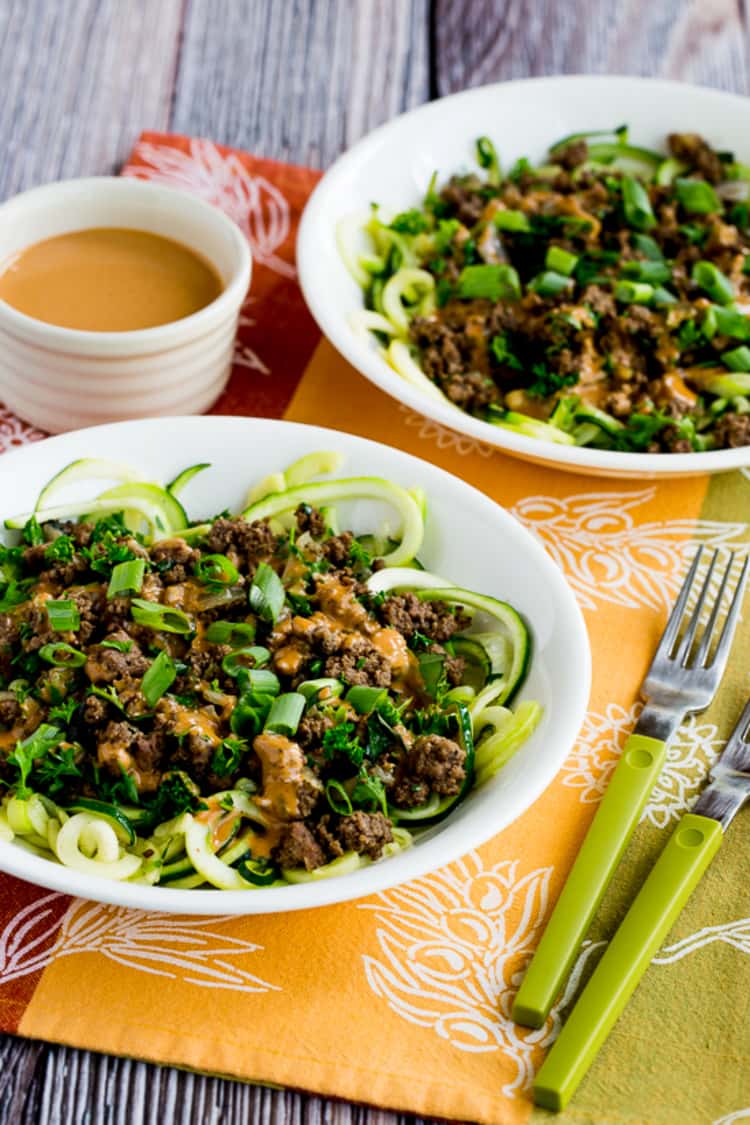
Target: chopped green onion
[160,617]
[633,292]
[730,386]
[512,221]
[285,714]
[738,359]
[647,246]
[621,132]
[560,261]
[263,681]
[320,690]
[550,284]
[158,678]
[667,171]
[365,699]
[713,281]
[234,633]
[431,668]
[697,197]
[729,322]
[492,282]
[216,568]
[63,615]
[487,158]
[636,205]
[655,273]
[249,714]
[267,593]
[236,662]
[663,297]
[127,578]
[62,655]
[338,798]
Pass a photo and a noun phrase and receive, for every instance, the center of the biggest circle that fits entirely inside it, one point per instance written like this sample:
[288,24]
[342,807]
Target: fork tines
[680,652]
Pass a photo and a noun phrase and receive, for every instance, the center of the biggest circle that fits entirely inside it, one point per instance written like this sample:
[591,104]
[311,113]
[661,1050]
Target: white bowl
[394,164]
[469,539]
[64,378]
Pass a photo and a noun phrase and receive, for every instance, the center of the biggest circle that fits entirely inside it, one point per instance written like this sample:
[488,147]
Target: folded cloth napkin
[403,1000]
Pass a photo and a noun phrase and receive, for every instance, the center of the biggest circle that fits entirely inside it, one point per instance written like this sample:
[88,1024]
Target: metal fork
[672,880]
[683,678]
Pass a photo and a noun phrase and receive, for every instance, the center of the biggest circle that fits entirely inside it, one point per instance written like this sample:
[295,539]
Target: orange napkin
[403,999]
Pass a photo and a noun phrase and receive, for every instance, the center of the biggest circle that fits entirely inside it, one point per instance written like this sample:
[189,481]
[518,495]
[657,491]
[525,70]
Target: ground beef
[693,150]
[454,669]
[732,431]
[205,659]
[470,390]
[50,572]
[310,520]
[299,848]
[433,765]
[242,541]
[308,795]
[174,559]
[312,728]
[364,833]
[10,710]
[8,632]
[95,710]
[90,602]
[572,154]
[463,196]
[439,762]
[359,663]
[409,614]
[446,352]
[124,747]
[336,549]
[111,666]
[600,300]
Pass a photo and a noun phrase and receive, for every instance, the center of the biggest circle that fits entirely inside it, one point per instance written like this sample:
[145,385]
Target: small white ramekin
[63,378]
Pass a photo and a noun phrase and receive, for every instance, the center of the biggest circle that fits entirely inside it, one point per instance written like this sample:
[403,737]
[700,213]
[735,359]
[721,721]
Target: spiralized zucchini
[224,843]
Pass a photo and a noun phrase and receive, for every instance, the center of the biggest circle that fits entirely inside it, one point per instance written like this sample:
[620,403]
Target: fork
[675,875]
[679,682]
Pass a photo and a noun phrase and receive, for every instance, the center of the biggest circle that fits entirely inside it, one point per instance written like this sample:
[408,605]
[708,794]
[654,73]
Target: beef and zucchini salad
[254,700]
[600,299]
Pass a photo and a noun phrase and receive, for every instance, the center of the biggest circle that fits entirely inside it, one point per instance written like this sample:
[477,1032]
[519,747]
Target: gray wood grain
[296,80]
[80,79]
[480,41]
[299,80]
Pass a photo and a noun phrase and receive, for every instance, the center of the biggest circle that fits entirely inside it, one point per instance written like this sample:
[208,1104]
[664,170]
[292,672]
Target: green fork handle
[666,890]
[641,761]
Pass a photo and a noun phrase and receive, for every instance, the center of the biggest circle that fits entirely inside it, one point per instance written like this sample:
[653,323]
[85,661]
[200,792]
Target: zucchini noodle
[225,840]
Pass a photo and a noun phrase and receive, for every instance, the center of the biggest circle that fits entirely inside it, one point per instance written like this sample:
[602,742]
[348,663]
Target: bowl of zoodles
[271,678]
[558,267]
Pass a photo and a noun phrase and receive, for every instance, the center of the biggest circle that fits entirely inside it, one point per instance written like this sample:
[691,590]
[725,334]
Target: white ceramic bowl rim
[567,674]
[315,228]
[142,340]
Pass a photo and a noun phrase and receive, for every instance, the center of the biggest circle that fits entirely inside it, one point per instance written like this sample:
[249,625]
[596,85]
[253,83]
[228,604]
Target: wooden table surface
[298,80]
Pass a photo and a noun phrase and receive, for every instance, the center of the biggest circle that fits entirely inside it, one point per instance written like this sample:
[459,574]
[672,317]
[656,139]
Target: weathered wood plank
[480,41]
[80,79]
[299,80]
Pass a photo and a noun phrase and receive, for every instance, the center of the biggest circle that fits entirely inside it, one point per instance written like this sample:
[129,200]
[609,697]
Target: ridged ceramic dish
[64,378]
[394,165]
[468,539]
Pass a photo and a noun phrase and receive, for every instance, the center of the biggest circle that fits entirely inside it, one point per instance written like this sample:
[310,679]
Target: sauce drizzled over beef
[197,739]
